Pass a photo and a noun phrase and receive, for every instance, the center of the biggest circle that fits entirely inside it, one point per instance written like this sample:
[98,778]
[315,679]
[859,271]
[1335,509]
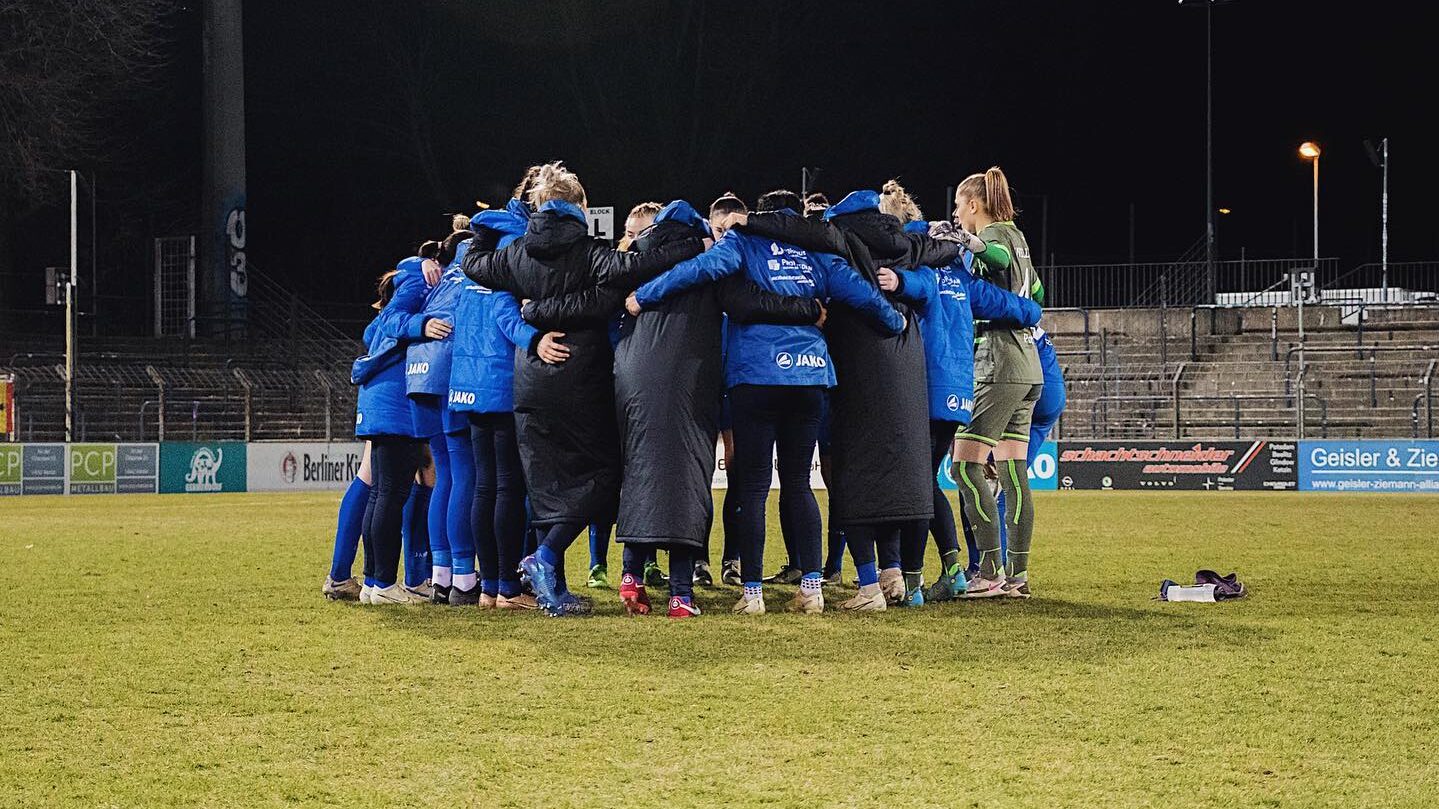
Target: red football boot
[683,607]
[632,593]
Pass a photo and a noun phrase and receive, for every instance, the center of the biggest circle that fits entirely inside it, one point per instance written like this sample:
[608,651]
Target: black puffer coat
[564,414]
[879,412]
[669,376]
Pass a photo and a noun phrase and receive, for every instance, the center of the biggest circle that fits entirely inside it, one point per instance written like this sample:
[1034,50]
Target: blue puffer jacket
[427,363]
[1052,400]
[948,301]
[488,327]
[381,406]
[765,354]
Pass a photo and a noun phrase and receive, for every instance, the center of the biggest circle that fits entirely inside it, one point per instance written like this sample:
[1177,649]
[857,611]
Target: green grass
[171,650]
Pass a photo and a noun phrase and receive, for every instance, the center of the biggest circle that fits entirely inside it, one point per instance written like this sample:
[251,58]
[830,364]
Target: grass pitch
[172,650]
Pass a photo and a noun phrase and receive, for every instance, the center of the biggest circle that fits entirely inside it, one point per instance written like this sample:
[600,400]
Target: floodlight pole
[70,309]
[1384,223]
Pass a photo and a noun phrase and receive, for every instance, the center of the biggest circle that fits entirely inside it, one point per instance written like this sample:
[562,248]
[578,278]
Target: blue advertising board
[1369,466]
[1043,474]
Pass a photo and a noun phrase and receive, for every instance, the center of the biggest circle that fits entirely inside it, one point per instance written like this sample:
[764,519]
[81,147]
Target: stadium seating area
[1212,372]
[1227,371]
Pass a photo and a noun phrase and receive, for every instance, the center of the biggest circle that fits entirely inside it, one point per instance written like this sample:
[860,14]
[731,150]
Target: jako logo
[952,402]
[204,467]
[461,397]
[417,368]
[784,359]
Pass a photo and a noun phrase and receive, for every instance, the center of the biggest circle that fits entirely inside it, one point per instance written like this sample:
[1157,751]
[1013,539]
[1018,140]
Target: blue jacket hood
[411,264]
[506,222]
[854,202]
[683,213]
[565,208]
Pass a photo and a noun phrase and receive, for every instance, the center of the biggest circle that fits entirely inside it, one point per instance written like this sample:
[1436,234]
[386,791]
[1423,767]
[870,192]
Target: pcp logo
[784,359]
[288,467]
[92,468]
[204,469]
[10,466]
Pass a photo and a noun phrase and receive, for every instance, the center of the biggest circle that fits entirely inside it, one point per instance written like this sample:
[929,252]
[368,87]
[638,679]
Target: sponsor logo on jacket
[417,368]
[462,397]
[784,359]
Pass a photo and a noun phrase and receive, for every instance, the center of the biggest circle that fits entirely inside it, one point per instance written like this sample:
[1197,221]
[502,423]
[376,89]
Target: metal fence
[156,403]
[1183,283]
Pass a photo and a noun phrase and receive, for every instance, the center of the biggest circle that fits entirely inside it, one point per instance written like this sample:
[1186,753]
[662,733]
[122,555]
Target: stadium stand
[1189,371]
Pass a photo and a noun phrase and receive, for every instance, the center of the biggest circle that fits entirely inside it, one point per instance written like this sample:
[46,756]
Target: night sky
[369,120]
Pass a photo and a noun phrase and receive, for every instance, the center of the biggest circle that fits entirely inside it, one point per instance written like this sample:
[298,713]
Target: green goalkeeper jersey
[1003,354]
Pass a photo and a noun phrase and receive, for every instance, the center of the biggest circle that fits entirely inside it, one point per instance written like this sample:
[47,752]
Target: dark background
[367,121]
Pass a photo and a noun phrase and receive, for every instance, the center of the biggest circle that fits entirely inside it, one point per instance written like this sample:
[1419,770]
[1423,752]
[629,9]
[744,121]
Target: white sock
[752,591]
[811,585]
[440,576]
[466,581]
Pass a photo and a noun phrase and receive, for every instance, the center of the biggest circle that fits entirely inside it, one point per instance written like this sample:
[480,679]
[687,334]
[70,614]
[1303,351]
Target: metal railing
[1181,283]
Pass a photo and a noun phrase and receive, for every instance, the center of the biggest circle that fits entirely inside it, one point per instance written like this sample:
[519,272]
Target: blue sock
[509,588]
[491,587]
[348,528]
[369,581]
[599,544]
[547,555]
[438,518]
[868,574]
[460,529]
[416,534]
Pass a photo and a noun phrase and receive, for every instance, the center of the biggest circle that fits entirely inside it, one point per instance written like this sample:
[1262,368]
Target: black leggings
[394,460]
[941,440]
[780,421]
[499,504]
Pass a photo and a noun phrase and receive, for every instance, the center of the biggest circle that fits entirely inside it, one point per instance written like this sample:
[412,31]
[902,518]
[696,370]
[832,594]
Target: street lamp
[1309,150]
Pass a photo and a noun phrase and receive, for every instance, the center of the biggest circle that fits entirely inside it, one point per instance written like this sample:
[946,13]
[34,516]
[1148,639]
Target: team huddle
[524,382]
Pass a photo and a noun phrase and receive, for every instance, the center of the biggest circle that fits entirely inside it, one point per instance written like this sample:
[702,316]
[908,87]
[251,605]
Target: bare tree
[64,66]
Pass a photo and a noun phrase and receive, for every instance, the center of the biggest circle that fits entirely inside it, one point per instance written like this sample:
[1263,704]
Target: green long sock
[983,515]
[1019,520]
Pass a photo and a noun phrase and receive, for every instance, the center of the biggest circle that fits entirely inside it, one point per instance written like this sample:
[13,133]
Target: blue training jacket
[948,301]
[488,327]
[381,406]
[427,363]
[1051,401]
[768,354]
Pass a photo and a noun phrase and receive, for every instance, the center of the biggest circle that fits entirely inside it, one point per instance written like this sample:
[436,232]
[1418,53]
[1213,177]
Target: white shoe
[748,605]
[425,590]
[809,603]
[869,599]
[347,590]
[395,594]
[891,583]
[365,591]
[980,587]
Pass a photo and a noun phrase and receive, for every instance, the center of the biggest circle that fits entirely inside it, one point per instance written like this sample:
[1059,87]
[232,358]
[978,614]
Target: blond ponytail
[553,181]
[991,189]
[897,202]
